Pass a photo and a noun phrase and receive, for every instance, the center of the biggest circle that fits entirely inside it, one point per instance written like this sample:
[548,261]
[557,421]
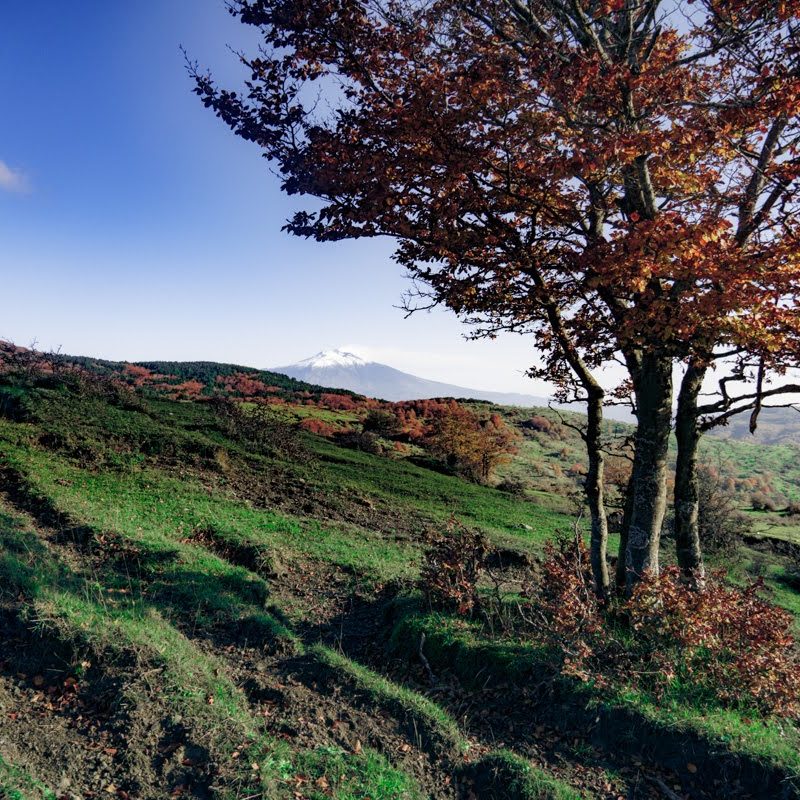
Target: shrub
[468,444]
[720,523]
[720,642]
[539,423]
[257,427]
[760,502]
[242,385]
[567,614]
[514,487]
[16,404]
[382,423]
[360,440]
[453,564]
[725,640]
[577,470]
[24,368]
[401,449]
[338,402]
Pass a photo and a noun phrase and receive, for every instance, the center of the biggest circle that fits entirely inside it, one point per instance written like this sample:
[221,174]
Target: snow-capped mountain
[342,370]
[332,358]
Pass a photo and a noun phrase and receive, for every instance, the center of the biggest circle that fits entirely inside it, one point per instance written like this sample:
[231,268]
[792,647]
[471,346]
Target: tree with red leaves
[617,178]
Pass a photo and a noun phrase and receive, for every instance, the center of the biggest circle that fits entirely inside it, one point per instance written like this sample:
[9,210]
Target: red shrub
[721,641]
[338,402]
[726,639]
[243,385]
[540,423]
[469,444]
[188,389]
[568,615]
[139,375]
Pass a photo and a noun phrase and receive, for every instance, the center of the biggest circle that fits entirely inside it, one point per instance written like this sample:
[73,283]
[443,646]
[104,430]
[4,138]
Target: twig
[664,788]
[425,662]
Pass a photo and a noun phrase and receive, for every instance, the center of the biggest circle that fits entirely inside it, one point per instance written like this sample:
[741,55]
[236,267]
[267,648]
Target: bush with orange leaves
[318,427]
[566,614]
[721,642]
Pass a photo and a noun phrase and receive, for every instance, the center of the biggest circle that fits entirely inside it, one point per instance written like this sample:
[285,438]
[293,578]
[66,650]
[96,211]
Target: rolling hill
[189,609]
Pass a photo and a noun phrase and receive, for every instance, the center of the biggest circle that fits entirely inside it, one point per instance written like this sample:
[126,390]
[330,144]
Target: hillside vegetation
[195,606]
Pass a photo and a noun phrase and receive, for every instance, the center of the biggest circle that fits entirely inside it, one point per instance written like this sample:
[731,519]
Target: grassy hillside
[183,613]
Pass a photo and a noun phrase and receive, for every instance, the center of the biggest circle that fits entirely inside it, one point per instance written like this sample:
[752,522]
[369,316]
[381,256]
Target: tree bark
[595,493]
[593,488]
[653,386]
[627,511]
[687,494]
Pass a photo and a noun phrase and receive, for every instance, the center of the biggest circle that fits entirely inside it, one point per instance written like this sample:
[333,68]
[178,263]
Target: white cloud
[13,180]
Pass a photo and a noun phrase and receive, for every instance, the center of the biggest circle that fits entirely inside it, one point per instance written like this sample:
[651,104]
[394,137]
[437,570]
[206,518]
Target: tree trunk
[653,387]
[593,488]
[627,513]
[687,495]
[595,494]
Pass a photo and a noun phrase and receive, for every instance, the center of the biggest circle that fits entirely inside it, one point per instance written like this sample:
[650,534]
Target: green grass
[89,432]
[339,419]
[777,572]
[79,610]
[15,784]
[152,506]
[749,458]
[543,457]
[423,492]
[772,525]
[123,490]
[117,470]
[367,776]
[24,561]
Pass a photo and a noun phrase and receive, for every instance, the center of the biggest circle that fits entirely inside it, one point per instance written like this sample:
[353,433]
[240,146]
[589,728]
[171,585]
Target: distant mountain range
[775,426]
[339,369]
[342,370]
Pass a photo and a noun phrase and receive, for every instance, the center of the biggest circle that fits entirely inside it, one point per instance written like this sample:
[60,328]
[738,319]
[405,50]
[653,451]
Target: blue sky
[134,225]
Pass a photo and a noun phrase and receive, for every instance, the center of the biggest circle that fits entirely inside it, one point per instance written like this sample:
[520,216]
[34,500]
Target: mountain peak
[341,369]
[333,358]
